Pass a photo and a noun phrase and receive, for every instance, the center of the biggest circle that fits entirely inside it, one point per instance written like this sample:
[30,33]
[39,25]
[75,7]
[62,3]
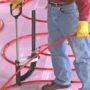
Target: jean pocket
[69,9]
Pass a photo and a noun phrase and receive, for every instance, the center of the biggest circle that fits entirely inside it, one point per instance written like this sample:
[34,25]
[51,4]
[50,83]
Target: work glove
[82,29]
[16,3]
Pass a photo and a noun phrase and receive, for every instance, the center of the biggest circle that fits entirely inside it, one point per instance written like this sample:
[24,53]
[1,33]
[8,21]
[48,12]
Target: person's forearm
[83,8]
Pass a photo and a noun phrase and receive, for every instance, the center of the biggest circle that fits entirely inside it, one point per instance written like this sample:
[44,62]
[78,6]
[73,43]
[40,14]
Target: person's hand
[82,29]
[16,3]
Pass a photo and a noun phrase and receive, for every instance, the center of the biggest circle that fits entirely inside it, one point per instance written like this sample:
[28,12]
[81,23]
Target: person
[66,17]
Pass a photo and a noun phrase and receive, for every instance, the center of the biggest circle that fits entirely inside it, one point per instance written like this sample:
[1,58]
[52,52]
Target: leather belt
[59,4]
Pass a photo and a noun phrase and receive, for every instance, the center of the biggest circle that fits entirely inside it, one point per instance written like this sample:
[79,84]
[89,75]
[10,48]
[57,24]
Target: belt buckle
[56,4]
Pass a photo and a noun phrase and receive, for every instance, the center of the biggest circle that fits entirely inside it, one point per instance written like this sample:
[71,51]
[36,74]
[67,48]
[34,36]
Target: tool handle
[20,11]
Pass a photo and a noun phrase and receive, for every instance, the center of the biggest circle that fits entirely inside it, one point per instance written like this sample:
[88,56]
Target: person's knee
[80,61]
[53,51]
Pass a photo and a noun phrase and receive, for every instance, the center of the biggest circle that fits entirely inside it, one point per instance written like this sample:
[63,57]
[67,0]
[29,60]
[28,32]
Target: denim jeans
[62,21]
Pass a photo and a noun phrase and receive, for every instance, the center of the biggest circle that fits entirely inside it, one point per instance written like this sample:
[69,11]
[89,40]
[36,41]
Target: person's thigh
[80,49]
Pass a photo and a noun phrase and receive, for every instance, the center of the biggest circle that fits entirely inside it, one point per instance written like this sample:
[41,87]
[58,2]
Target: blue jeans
[62,21]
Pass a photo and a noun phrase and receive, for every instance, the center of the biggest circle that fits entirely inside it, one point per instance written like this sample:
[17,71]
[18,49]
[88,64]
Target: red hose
[13,41]
[51,45]
[4,86]
[38,20]
[21,38]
